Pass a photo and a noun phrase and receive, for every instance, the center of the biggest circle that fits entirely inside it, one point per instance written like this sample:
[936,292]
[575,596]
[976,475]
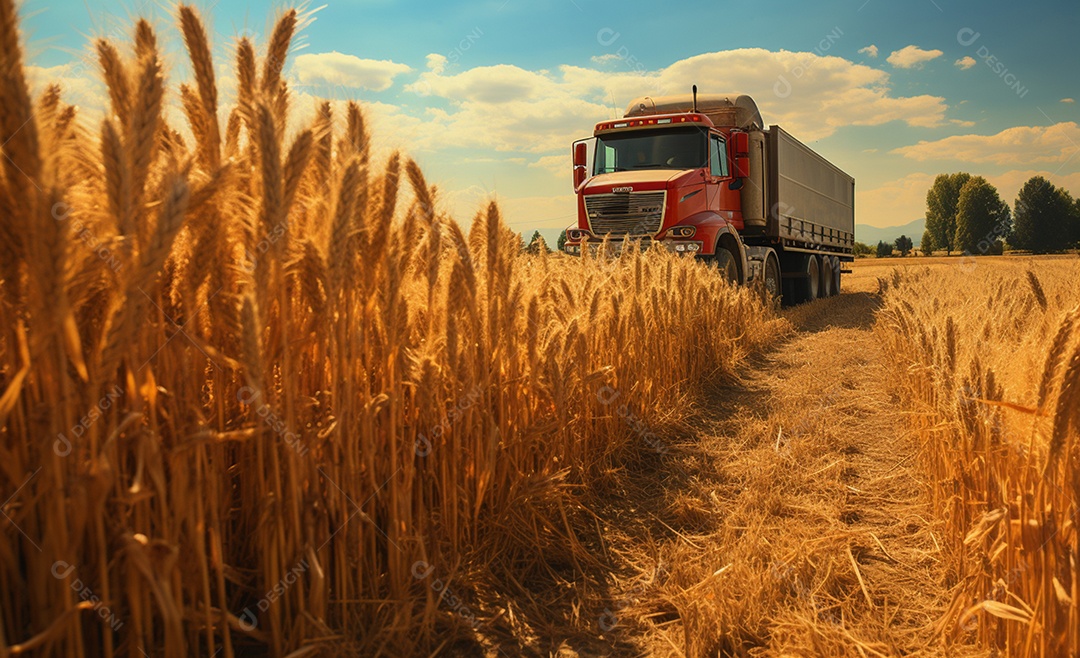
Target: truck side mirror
[741,143]
[580,157]
[742,166]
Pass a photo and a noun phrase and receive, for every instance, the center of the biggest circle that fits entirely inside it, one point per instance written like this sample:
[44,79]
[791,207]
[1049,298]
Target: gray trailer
[798,204]
[811,201]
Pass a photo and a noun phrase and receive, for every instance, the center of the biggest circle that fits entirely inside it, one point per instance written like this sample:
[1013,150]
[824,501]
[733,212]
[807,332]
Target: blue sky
[488,95]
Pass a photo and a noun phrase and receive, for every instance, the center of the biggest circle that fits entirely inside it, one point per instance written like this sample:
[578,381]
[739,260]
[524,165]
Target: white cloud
[436,63]
[1012,146]
[343,70]
[965,62]
[910,57]
[510,108]
[558,165]
[501,83]
[870,51]
[810,94]
[80,85]
[1068,100]
[390,127]
[962,122]
[606,58]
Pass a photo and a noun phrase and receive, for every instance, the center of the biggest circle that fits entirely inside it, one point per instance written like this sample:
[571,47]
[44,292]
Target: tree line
[964,213]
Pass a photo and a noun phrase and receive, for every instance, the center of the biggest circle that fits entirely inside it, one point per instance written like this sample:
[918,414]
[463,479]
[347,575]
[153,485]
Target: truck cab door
[717,169]
[583,166]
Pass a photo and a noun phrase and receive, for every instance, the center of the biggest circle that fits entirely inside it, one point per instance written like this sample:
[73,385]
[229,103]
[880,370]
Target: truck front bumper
[615,247]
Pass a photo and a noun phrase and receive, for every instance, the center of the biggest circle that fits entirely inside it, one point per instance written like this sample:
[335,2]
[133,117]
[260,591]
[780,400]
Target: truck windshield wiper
[653,165]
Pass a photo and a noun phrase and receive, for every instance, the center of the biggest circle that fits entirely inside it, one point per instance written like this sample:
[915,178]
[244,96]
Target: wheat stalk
[202,63]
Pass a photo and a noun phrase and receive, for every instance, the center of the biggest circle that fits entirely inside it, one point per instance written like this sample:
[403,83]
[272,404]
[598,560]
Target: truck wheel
[808,285]
[837,266]
[725,263]
[825,288]
[771,278]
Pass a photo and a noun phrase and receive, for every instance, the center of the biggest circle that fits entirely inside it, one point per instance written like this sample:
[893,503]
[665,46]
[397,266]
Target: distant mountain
[871,235]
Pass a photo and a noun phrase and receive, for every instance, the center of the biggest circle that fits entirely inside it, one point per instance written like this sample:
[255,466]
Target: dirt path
[789,519]
[786,518]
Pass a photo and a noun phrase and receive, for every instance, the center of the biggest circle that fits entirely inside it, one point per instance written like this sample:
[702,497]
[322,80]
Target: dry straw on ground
[250,402]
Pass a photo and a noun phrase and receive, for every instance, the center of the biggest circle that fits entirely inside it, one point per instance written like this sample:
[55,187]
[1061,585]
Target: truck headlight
[682,232]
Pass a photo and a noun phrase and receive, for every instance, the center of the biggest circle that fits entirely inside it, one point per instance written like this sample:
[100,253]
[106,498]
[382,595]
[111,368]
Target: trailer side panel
[811,201]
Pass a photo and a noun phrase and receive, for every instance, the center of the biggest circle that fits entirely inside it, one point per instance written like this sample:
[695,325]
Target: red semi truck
[702,176]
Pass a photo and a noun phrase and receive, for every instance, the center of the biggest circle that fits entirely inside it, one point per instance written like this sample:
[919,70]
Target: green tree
[941,204]
[561,244]
[537,243]
[1044,217]
[861,249]
[903,245]
[927,245]
[1076,224]
[982,218]
[884,249]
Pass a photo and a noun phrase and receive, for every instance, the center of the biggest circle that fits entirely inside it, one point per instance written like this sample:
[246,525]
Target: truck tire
[825,288]
[807,287]
[837,266]
[771,277]
[725,263]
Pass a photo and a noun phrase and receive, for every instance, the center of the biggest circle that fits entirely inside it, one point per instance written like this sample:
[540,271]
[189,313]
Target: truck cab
[668,178]
[701,177]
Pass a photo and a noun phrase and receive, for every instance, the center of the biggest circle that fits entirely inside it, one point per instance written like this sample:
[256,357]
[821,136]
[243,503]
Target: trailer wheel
[725,263]
[837,266]
[826,287]
[808,285]
[771,277]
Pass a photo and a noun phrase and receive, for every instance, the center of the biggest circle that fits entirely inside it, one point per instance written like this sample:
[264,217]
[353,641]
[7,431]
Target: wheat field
[988,364]
[261,395]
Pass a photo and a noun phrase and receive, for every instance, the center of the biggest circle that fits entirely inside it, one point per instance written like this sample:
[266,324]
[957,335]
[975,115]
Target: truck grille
[625,214]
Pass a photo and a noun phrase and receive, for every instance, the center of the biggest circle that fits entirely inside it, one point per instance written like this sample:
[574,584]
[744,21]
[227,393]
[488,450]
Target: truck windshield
[679,148]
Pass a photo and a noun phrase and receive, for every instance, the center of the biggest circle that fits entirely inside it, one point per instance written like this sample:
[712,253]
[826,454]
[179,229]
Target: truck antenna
[695,98]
